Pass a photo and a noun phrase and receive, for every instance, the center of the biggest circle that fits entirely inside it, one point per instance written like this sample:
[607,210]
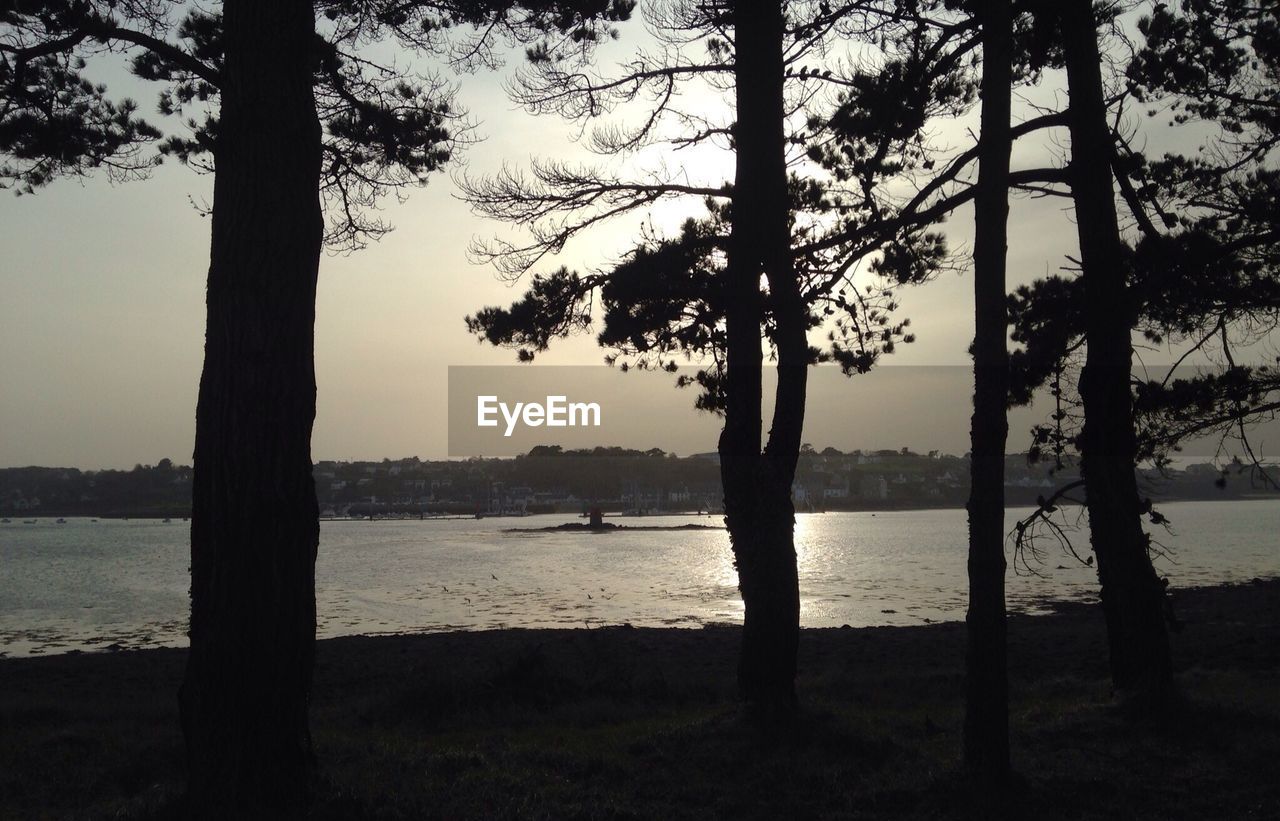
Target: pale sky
[102,315]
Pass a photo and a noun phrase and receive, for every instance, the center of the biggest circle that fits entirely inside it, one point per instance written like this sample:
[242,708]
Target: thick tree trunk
[758,508]
[986,721]
[255,522]
[1132,594]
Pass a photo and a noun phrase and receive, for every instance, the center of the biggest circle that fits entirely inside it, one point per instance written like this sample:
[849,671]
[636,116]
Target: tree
[1211,279]
[986,725]
[757,485]
[1201,273]
[1203,267]
[254,525]
[864,126]
[1131,592]
[770,262]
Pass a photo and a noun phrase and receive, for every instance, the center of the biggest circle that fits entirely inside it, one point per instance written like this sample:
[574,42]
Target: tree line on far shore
[549,479]
[839,191]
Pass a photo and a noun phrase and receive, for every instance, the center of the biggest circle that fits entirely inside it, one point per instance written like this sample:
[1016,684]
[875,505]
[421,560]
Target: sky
[102,314]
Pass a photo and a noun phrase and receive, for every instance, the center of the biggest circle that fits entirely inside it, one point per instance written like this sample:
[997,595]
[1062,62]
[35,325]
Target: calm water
[89,585]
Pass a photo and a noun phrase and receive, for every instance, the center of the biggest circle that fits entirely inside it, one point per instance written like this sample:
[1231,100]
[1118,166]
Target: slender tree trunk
[986,721]
[758,507]
[255,521]
[1132,594]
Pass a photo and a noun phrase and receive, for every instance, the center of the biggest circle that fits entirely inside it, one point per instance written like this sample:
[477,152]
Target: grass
[639,724]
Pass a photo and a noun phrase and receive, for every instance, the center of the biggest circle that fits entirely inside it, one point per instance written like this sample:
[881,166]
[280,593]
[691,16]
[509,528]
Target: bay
[91,585]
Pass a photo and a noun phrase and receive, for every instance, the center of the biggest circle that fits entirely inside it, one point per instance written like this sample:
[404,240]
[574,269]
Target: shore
[643,723]
[1015,497]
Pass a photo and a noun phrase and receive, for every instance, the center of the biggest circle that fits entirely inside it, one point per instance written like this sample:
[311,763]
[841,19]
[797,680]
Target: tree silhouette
[1201,273]
[986,725]
[299,117]
[254,517]
[1202,269]
[1132,594]
[774,258]
[1211,279]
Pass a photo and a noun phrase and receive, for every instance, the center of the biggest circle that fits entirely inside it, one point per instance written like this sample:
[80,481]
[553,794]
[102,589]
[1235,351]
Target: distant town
[548,479]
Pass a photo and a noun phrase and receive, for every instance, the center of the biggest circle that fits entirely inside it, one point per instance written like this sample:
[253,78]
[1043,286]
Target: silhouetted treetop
[855,129]
[1214,60]
[1202,260]
[385,128]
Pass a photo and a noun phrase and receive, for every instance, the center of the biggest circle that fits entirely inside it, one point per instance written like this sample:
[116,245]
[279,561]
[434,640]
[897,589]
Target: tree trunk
[986,722]
[255,524]
[758,507]
[1132,593]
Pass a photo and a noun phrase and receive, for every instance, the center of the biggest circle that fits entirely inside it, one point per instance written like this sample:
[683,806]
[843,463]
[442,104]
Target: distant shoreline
[18,516]
[614,480]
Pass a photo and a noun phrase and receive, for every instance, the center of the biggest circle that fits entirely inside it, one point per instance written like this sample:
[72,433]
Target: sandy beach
[621,722]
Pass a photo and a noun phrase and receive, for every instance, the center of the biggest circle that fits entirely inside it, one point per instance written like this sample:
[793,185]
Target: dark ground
[621,723]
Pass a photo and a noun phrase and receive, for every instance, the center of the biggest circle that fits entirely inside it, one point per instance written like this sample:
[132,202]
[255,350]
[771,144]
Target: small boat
[166,521]
[61,521]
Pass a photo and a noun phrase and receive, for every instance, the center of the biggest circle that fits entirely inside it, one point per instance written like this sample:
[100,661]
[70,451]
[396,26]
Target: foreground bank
[642,723]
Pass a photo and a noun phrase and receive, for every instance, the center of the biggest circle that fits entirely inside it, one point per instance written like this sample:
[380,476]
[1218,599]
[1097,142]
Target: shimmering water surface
[90,585]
